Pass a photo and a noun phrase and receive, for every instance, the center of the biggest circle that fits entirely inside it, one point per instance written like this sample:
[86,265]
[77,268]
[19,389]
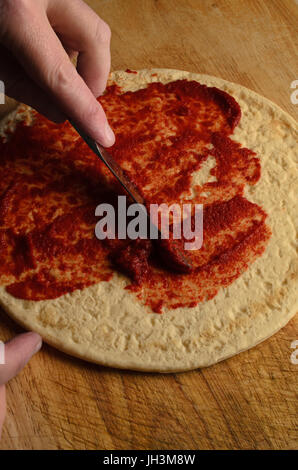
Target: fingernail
[109,135]
[38,346]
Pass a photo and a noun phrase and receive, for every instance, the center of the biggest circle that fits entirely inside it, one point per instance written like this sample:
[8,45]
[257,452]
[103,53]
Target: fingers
[26,91]
[20,87]
[32,39]
[81,29]
[18,351]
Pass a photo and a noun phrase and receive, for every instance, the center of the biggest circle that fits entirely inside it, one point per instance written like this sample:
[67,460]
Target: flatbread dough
[106,324]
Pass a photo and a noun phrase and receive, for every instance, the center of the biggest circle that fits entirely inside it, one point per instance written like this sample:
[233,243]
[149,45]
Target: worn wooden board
[246,402]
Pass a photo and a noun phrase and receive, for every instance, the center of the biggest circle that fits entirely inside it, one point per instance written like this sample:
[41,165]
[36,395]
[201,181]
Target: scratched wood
[246,402]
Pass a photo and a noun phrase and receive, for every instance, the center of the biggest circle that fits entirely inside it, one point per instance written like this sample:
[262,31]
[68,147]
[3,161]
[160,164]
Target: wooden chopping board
[246,402]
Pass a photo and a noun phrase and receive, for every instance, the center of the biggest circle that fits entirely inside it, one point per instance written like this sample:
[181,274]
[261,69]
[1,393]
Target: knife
[178,259]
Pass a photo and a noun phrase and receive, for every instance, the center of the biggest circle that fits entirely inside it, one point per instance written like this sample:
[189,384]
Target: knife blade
[178,259]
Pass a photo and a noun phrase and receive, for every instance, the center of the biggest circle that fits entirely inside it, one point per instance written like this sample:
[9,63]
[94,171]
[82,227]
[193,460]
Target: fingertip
[30,343]
[109,136]
[35,341]
[102,131]
[94,122]
[18,351]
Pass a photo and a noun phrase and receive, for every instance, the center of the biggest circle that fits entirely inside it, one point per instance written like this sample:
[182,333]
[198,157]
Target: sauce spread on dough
[51,183]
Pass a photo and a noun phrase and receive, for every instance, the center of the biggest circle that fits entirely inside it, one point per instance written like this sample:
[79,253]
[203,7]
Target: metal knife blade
[178,259]
[110,162]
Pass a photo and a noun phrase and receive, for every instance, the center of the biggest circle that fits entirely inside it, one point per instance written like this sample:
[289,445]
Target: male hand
[17,353]
[37,40]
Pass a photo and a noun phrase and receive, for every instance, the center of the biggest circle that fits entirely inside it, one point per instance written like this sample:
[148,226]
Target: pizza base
[107,324]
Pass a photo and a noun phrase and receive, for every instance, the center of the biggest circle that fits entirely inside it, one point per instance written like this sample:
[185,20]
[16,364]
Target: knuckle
[102,32]
[60,76]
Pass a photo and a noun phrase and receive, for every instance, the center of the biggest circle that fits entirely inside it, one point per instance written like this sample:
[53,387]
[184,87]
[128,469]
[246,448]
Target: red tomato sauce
[131,71]
[51,183]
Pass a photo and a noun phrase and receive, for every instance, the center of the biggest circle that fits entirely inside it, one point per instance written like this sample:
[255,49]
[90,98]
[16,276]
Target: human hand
[18,351]
[37,39]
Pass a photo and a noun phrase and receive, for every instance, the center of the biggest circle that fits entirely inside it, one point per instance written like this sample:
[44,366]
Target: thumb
[17,353]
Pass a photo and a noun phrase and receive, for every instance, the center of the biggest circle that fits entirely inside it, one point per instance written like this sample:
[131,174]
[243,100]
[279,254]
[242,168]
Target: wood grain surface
[246,402]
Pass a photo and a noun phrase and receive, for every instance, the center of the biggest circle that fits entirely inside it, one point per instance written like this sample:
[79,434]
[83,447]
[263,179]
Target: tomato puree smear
[52,182]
